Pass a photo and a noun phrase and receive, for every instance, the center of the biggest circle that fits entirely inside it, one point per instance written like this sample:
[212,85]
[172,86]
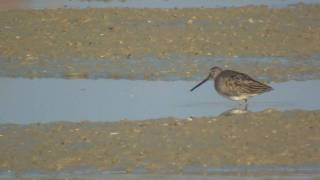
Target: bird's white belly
[239,98]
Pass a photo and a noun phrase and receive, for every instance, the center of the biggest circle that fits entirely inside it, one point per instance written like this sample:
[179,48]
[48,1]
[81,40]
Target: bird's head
[213,73]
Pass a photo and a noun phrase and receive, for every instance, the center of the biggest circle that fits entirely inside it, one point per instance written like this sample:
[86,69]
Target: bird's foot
[243,105]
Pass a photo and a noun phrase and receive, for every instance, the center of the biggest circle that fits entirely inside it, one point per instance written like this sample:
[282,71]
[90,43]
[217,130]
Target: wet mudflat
[176,67]
[96,127]
[166,42]
[245,143]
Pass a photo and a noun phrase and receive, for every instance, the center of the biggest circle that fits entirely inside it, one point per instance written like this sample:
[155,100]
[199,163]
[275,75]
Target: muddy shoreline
[253,139]
[180,42]
[270,44]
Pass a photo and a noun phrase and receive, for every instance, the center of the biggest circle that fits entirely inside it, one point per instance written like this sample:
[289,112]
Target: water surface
[47,100]
[47,4]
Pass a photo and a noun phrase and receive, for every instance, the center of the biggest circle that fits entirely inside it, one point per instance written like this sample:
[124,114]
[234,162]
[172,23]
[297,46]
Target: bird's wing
[245,84]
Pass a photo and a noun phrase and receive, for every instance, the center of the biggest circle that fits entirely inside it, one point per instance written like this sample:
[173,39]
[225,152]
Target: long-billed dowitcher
[234,85]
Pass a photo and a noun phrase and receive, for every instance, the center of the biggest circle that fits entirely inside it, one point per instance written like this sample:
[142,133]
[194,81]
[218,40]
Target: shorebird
[234,85]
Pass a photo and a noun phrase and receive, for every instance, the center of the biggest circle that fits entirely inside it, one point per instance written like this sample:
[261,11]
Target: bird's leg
[245,104]
[239,105]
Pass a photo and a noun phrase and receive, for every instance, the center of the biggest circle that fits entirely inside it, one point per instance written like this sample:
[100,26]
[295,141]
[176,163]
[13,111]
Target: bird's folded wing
[245,84]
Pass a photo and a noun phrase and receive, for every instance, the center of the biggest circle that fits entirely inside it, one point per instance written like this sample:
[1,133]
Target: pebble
[251,20]
[190,21]
[114,133]
[274,131]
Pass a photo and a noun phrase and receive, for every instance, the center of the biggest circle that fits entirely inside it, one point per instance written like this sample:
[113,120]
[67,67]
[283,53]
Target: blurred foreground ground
[170,145]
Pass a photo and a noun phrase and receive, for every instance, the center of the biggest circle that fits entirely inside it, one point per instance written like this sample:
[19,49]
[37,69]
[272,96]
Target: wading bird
[234,85]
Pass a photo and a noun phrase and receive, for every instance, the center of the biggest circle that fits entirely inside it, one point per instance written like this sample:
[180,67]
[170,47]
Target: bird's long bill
[203,81]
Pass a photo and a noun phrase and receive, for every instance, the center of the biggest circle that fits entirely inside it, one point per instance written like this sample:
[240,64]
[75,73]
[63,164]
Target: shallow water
[123,176]
[45,4]
[47,100]
[193,172]
[164,177]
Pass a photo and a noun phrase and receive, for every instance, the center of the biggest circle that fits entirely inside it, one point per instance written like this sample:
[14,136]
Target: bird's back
[235,84]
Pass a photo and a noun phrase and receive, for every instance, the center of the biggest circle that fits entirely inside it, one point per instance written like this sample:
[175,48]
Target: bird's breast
[239,98]
[222,88]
